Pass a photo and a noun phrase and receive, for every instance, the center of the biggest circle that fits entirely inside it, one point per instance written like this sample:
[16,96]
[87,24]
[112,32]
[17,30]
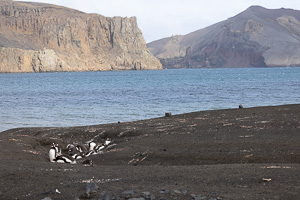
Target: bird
[81,148]
[107,142]
[79,155]
[101,147]
[71,149]
[54,157]
[92,145]
[98,148]
[57,149]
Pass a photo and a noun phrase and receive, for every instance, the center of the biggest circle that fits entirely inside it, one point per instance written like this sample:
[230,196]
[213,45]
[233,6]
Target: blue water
[85,98]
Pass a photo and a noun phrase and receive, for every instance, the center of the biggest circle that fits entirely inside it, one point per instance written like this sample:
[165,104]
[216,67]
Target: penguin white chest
[52,155]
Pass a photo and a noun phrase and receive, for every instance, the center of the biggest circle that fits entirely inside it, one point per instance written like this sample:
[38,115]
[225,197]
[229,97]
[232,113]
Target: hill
[257,37]
[36,37]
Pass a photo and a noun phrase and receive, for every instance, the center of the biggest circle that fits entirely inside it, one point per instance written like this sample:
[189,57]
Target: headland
[248,153]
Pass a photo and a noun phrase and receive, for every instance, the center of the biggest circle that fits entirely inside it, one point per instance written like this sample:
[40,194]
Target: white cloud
[163,18]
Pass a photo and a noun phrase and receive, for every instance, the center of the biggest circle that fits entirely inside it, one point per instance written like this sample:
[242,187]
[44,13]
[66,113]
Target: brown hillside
[37,37]
[257,37]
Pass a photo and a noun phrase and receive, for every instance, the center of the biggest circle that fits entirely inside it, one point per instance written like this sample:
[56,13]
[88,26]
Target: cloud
[163,18]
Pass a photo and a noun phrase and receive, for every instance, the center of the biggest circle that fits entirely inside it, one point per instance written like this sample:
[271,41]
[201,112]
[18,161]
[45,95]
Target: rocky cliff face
[37,37]
[257,37]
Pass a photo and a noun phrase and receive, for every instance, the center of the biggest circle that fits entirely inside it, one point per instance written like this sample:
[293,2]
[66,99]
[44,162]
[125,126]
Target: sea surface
[86,98]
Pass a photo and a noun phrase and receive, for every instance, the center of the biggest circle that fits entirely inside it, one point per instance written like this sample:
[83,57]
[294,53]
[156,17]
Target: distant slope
[36,37]
[257,37]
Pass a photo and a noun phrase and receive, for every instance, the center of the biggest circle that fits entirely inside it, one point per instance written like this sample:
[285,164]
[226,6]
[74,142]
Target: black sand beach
[249,153]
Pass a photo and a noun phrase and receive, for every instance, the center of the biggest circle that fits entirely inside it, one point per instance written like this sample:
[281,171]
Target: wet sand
[249,153]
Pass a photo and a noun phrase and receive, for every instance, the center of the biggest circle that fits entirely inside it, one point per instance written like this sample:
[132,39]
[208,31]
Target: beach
[248,153]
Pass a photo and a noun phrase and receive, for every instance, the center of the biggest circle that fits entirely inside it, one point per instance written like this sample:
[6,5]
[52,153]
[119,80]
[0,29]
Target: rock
[48,192]
[163,191]
[141,198]
[168,114]
[109,196]
[184,192]
[87,162]
[148,195]
[128,193]
[175,192]
[47,198]
[198,197]
[91,187]
[69,40]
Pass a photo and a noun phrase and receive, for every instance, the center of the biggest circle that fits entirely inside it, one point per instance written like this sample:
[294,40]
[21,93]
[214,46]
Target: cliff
[257,37]
[37,37]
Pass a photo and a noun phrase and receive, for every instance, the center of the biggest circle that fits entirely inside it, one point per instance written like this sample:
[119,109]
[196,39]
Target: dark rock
[168,114]
[184,192]
[87,162]
[148,195]
[163,191]
[48,192]
[213,194]
[47,198]
[198,197]
[128,193]
[109,196]
[91,187]
[174,192]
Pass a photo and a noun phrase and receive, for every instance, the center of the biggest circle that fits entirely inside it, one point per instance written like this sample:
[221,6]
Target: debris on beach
[266,179]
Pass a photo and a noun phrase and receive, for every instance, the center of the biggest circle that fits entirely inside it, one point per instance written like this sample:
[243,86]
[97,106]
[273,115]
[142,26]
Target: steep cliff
[37,37]
[257,37]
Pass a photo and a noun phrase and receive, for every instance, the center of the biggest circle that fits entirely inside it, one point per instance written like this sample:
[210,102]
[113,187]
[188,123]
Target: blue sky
[163,18]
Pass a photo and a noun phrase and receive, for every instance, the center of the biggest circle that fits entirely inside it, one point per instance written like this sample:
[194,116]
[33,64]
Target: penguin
[57,149]
[65,159]
[61,158]
[89,153]
[92,145]
[69,146]
[71,149]
[99,148]
[52,154]
[79,155]
[81,148]
[107,142]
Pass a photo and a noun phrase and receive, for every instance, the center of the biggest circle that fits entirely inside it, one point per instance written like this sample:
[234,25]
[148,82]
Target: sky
[163,18]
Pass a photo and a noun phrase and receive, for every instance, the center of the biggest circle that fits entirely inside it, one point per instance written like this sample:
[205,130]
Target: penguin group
[56,156]
[77,151]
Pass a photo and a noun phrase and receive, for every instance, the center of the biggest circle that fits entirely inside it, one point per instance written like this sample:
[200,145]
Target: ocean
[88,98]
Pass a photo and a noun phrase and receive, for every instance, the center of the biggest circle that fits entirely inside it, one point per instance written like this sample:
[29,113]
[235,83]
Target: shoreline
[133,121]
[216,154]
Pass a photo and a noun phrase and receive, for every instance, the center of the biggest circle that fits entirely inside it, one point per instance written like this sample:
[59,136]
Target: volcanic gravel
[248,153]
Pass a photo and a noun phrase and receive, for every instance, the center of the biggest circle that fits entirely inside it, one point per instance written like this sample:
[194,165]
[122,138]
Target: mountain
[36,37]
[257,37]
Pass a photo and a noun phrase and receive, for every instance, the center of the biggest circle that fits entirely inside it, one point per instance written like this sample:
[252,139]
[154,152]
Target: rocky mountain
[257,37]
[37,37]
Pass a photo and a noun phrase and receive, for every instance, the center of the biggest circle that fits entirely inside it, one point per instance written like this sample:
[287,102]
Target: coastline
[223,154]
